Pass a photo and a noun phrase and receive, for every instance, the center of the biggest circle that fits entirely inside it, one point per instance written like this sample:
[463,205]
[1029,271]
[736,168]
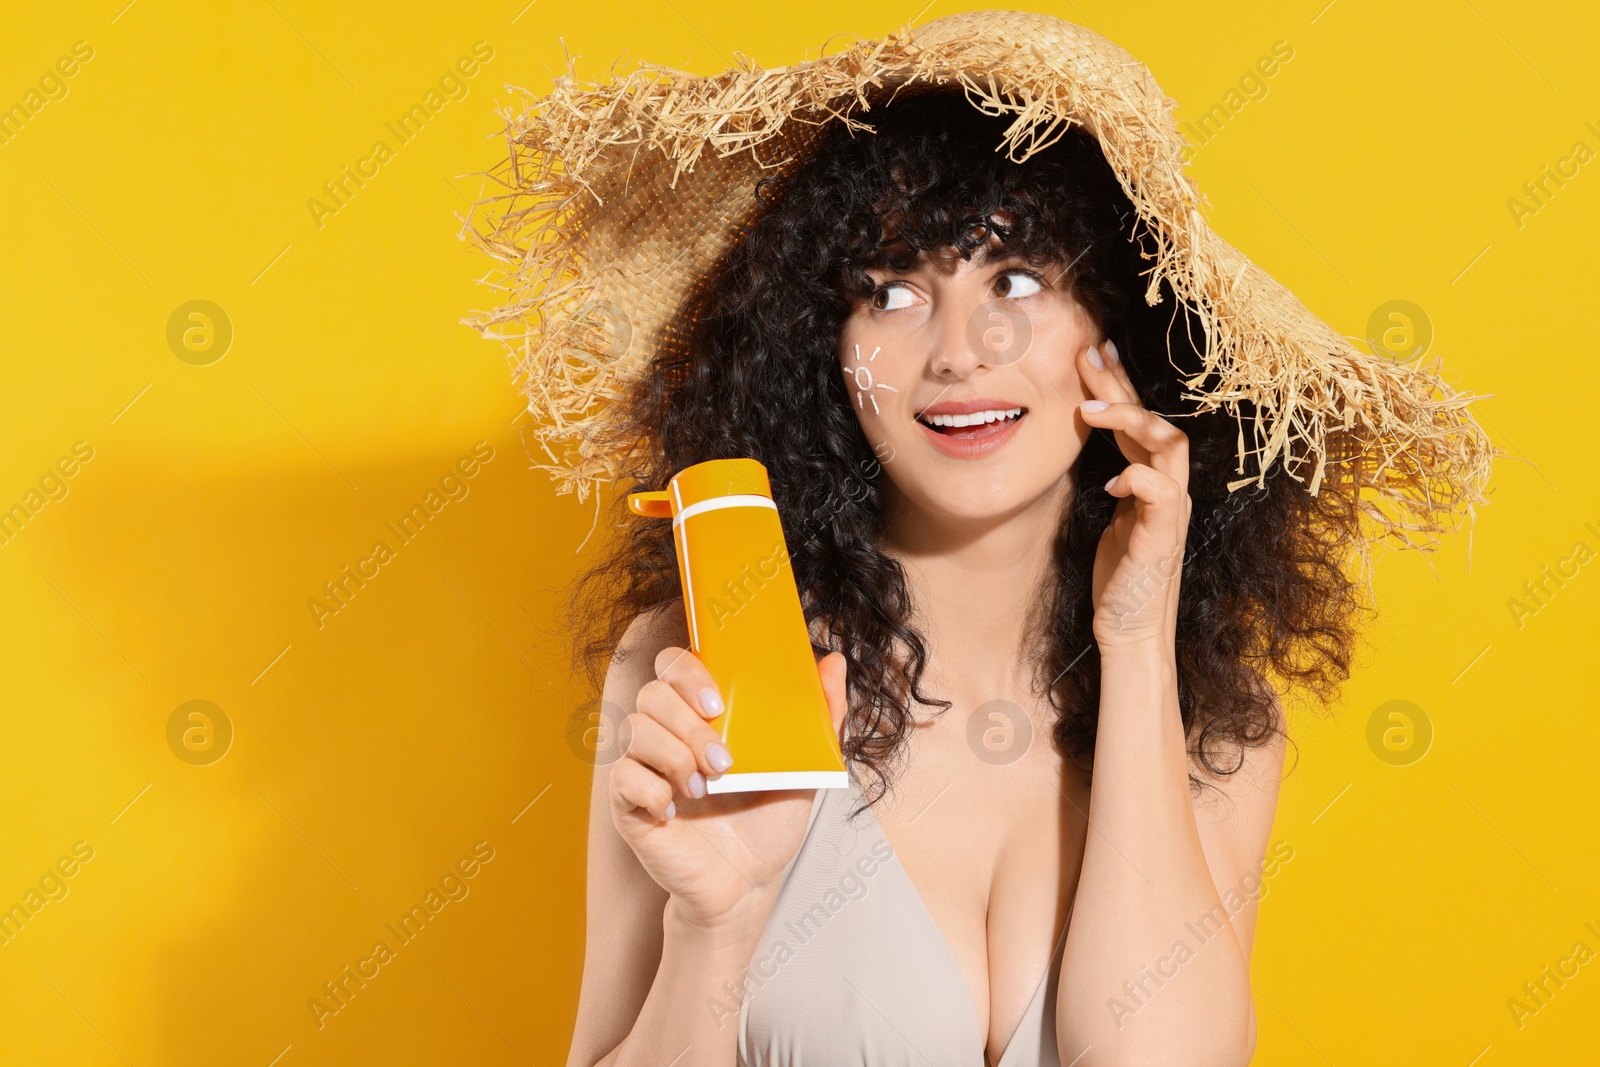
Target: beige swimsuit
[852,969]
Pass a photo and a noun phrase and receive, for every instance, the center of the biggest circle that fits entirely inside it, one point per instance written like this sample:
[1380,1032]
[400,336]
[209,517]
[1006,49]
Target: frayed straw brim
[618,197]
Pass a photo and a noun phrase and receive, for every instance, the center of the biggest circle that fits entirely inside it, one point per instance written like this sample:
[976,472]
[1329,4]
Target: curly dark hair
[1265,594]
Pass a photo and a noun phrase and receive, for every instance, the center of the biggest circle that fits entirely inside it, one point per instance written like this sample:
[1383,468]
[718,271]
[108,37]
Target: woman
[1049,633]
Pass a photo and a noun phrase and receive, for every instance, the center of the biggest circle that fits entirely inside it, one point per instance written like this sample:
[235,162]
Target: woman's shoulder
[651,631]
[633,660]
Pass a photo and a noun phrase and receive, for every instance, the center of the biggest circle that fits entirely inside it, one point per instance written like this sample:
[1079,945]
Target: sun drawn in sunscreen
[862,374]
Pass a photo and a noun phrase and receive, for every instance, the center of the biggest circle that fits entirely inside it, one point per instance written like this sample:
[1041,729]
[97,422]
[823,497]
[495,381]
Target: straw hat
[616,198]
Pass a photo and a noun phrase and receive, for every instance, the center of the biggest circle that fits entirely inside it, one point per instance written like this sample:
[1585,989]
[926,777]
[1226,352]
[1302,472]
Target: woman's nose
[956,352]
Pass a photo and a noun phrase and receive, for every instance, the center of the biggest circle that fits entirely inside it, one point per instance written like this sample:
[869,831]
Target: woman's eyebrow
[991,253]
[985,255]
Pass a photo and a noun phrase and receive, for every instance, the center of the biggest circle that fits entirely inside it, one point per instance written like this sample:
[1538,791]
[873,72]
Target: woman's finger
[636,789]
[1160,444]
[1103,378]
[1105,385]
[663,704]
[1112,358]
[682,670]
[1149,486]
[668,755]
[832,669]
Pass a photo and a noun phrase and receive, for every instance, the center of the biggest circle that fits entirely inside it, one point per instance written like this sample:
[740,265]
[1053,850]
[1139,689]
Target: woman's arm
[1234,818]
[648,975]
[1156,967]
[680,883]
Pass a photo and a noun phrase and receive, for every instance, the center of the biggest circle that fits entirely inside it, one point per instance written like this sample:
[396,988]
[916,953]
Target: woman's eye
[1018,283]
[891,298]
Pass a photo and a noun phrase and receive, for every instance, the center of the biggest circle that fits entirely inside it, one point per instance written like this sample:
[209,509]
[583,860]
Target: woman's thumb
[832,670]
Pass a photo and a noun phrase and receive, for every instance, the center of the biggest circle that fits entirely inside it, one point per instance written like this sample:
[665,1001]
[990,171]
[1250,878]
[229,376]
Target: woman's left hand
[1140,558]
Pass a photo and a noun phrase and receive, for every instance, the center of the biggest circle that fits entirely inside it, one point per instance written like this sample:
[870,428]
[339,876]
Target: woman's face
[963,376]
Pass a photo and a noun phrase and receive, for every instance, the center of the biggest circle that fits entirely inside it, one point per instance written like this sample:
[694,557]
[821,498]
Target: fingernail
[718,756]
[672,809]
[1094,358]
[1112,482]
[697,785]
[1111,352]
[1094,405]
[710,703]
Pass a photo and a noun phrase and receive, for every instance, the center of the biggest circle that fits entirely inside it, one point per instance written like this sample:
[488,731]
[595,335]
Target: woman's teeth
[976,418]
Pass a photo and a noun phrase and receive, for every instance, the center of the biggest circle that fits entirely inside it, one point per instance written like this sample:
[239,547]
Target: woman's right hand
[710,853]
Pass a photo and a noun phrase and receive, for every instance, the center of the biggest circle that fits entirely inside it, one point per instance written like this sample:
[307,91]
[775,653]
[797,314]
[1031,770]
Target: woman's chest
[992,839]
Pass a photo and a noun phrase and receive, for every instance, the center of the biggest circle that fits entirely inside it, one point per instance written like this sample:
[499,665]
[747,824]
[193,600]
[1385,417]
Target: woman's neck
[975,585]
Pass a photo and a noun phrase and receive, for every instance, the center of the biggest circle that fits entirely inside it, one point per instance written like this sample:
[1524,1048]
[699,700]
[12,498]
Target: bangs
[932,185]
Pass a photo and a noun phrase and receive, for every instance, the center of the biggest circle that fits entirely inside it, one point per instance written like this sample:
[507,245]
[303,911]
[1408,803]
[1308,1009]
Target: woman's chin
[978,499]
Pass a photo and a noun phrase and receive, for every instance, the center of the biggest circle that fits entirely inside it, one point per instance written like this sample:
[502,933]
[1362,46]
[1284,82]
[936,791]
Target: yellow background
[427,715]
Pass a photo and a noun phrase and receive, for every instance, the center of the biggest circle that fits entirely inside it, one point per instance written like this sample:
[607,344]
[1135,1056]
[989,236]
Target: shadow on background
[369,755]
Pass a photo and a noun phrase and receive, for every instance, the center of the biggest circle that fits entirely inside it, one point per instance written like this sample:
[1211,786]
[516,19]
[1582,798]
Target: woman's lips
[970,442]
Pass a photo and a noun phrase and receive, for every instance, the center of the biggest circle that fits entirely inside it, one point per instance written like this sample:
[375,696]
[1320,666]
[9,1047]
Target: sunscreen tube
[747,626]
